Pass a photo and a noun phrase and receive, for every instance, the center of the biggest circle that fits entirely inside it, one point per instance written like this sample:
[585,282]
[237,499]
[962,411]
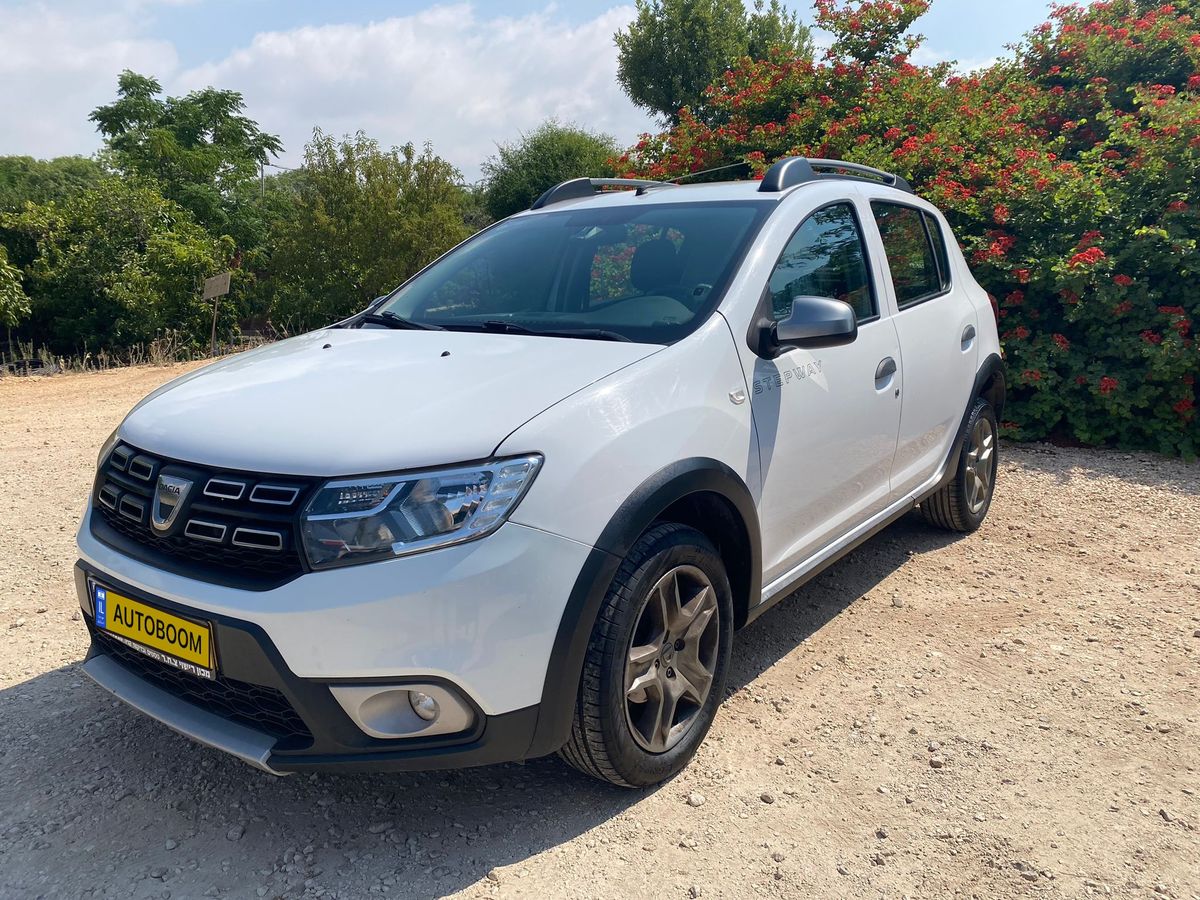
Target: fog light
[423,705]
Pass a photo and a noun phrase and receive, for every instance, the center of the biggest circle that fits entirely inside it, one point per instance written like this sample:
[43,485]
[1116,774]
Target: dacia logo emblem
[168,499]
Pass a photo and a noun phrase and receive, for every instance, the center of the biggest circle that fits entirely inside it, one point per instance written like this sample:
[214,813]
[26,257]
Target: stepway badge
[101,607]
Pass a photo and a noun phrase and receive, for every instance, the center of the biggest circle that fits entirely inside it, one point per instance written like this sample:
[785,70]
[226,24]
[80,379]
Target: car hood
[356,401]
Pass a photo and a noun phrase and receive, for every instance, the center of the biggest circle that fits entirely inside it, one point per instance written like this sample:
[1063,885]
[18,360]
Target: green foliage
[1068,172]
[200,149]
[14,305]
[24,179]
[520,172]
[675,49]
[117,265]
[364,220]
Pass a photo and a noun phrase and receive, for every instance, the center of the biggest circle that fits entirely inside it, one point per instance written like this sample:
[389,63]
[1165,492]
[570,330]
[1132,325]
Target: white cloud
[444,75]
[58,63]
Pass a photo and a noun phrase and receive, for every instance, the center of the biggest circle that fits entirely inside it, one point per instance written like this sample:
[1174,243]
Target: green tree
[674,49]
[200,148]
[364,220]
[14,305]
[520,172]
[115,266]
[24,179]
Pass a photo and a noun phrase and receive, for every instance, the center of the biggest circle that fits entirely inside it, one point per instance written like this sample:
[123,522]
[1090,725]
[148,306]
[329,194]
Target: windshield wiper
[389,319]
[593,334]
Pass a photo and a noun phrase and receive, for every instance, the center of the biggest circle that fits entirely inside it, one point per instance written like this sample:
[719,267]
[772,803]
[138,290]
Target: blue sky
[462,75]
[963,29]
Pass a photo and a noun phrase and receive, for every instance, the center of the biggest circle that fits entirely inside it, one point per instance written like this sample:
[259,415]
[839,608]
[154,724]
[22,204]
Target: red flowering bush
[1068,172]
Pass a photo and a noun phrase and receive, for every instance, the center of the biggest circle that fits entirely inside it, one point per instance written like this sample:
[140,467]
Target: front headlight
[355,520]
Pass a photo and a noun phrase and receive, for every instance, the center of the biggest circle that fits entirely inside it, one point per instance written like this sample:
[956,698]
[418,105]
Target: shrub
[115,266]
[520,172]
[1066,171]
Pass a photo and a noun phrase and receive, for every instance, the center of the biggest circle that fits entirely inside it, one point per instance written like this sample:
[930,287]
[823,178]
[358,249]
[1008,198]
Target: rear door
[937,326]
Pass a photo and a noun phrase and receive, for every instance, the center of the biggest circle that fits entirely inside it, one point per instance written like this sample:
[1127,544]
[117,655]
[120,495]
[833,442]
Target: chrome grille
[237,527]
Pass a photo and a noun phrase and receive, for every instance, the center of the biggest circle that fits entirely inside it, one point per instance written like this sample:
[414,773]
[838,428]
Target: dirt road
[1010,714]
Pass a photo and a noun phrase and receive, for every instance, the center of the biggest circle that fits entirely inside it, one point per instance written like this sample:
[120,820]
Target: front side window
[649,273]
[915,271]
[824,258]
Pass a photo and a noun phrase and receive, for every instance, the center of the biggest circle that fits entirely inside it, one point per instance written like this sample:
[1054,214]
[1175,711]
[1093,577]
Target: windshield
[649,274]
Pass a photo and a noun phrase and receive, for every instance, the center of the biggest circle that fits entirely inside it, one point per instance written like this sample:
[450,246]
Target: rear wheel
[963,504]
[654,672]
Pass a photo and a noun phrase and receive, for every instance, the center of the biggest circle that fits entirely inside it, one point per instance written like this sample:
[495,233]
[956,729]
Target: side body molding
[647,503]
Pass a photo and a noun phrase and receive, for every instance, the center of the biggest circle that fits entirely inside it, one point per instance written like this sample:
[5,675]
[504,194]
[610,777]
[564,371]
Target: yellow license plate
[158,634]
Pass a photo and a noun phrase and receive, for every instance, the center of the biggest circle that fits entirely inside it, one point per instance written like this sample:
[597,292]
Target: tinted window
[824,258]
[646,272]
[939,249]
[914,272]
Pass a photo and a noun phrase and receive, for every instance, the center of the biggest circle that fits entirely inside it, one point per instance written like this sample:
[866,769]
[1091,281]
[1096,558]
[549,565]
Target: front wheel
[654,672]
[963,504]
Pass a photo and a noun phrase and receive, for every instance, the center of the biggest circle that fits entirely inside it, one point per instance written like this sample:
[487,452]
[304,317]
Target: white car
[521,504]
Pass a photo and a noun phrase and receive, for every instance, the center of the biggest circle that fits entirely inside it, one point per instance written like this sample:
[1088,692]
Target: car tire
[963,503]
[658,654]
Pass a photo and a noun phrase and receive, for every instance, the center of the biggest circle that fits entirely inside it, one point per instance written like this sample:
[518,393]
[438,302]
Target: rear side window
[824,258]
[917,269]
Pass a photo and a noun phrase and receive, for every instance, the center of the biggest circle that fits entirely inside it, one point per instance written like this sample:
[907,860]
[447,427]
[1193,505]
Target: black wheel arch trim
[637,513]
[993,365]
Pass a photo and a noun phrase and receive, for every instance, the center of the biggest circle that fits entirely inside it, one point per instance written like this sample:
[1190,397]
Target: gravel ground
[1012,713]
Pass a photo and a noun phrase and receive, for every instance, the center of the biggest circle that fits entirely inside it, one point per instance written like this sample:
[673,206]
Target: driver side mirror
[815,322]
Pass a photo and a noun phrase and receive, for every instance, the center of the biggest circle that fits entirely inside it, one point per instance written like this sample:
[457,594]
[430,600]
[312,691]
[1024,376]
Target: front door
[827,419]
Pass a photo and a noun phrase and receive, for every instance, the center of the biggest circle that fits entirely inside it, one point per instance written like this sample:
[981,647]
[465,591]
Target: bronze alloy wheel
[980,467]
[672,658]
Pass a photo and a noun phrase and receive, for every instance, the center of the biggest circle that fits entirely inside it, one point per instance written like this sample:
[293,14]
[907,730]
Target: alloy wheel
[672,658]
[980,467]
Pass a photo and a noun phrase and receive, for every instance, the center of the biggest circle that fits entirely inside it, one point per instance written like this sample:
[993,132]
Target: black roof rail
[581,188]
[793,170]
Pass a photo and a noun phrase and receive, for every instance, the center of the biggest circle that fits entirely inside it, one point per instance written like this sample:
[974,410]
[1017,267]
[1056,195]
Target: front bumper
[480,618]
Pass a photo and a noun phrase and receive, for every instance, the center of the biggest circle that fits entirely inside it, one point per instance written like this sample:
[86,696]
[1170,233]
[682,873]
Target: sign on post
[215,288]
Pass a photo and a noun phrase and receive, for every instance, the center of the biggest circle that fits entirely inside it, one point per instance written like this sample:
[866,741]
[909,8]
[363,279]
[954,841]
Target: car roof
[709,192]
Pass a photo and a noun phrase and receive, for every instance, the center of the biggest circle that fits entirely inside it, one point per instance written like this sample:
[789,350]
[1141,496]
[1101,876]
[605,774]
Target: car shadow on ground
[93,794]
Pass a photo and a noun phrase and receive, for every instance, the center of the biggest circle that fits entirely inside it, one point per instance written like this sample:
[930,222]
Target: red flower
[1089,238]
[1063,343]
[1122,280]
[1031,375]
[1108,385]
[1022,332]
[1184,407]
[1016,298]
[1194,82]
[1000,213]
[1121,308]
[1177,206]
[1088,257]
[1022,275]
[1151,337]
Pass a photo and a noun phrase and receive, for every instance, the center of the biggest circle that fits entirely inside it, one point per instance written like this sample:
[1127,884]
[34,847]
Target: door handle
[968,337]
[884,372]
